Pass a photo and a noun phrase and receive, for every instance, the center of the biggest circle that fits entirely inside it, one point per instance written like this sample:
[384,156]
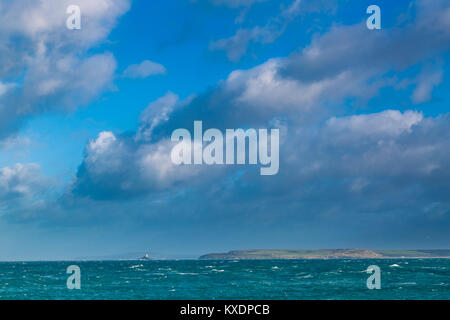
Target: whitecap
[187,274]
[394,265]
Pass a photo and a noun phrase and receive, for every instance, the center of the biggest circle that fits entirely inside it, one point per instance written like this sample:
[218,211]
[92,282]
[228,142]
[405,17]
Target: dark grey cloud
[357,50]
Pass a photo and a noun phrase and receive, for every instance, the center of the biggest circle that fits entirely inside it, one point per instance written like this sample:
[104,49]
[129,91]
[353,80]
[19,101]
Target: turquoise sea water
[190,279]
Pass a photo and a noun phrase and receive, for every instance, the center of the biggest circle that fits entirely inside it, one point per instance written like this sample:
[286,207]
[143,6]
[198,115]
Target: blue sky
[86,115]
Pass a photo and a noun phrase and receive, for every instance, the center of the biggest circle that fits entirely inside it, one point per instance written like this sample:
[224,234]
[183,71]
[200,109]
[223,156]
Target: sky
[86,117]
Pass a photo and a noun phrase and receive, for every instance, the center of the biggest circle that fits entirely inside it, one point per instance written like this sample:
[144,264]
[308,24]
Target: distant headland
[326,254]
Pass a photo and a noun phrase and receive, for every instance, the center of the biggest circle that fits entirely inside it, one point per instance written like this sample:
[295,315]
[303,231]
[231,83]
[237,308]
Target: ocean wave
[187,273]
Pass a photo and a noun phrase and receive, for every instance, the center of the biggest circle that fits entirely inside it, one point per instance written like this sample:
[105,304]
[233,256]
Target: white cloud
[425,85]
[5,87]
[236,46]
[388,122]
[156,113]
[21,181]
[386,146]
[100,145]
[143,70]
[14,142]
[45,21]
[51,65]
[236,3]
[264,88]
[123,166]
[103,155]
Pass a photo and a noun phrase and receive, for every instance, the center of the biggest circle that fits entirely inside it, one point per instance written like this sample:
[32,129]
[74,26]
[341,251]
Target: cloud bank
[340,163]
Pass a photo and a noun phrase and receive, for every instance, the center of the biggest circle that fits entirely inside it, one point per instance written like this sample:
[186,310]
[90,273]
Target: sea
[227,279]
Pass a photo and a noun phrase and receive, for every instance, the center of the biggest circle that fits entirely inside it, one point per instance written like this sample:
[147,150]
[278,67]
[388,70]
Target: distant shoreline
[219,259]
[271,254]
[327,254]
